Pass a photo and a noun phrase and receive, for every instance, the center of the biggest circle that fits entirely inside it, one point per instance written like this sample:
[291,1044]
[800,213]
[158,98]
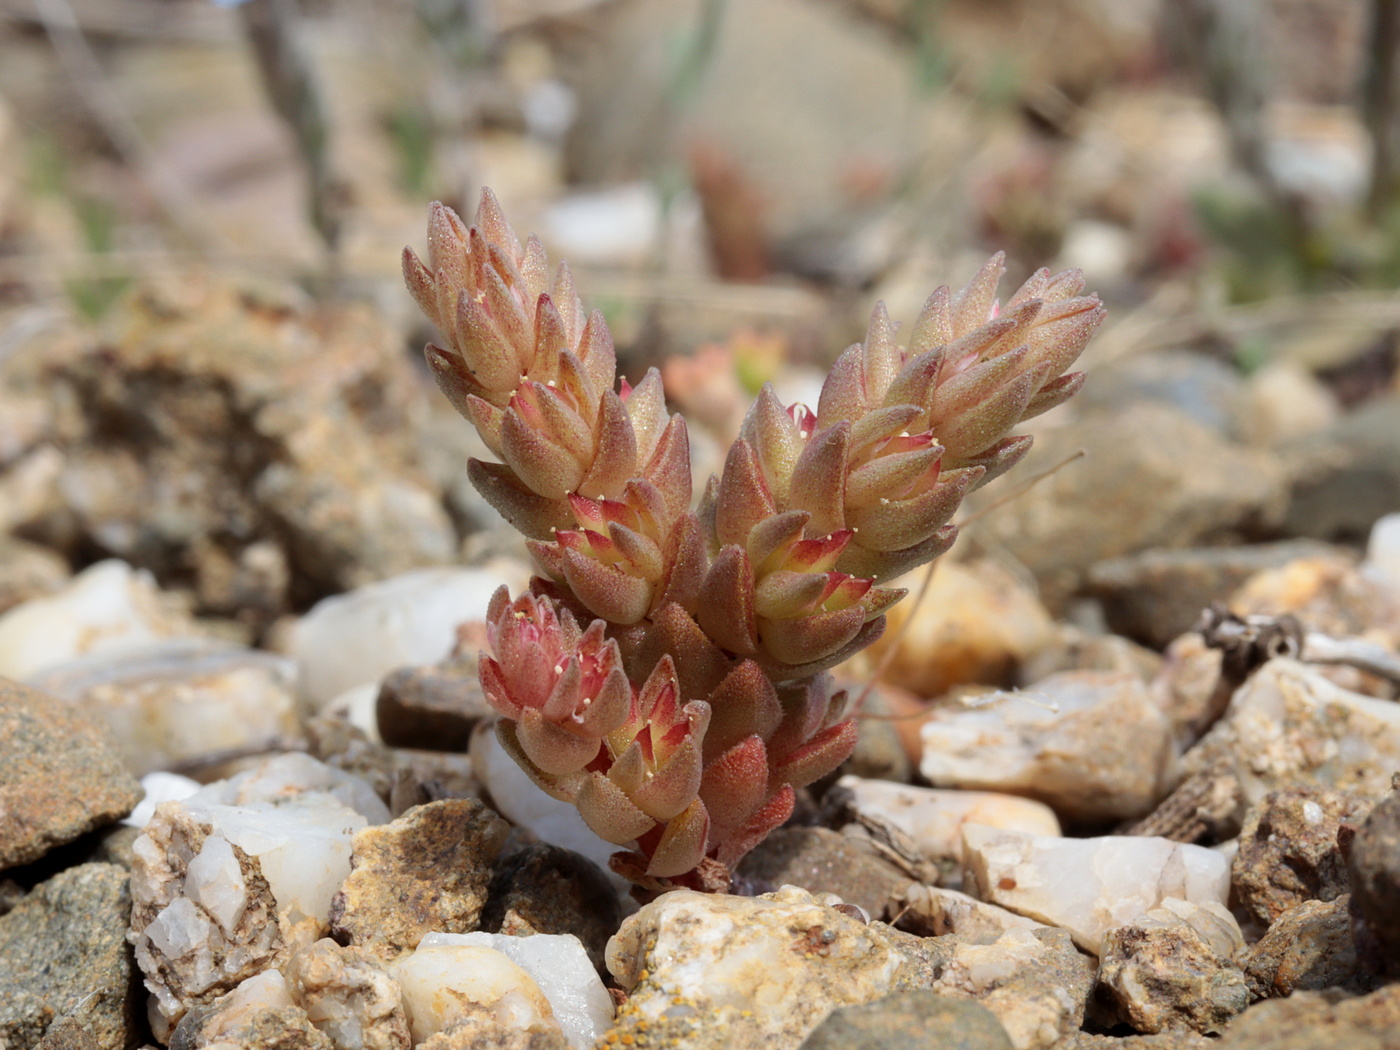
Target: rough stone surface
[64,957]
[58,777]
[1156,595]
[1374,867]
[1288,850]
[257,1015]
[486,1033]
[1089,886]
[932,911]
[433,708]
[348,996]
[824,861]
[740,973]
[549,889]
[1178,1039]
[67,1034]
[1319,1021]
[1308,948]
[274,440]
[1034,982]
[1289,726]
[427,871]
[1161,972]
[910,1021]
[204,948]
[1089,744]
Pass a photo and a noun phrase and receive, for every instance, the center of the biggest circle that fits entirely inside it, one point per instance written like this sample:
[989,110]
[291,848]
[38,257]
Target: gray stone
[1348,475]
[1205,389]
[1155,595]
[910,1020]
[432,708]
[1091,745]
[1374,867]
[549,889]
[58,776]
[1202,487]
[63,956]
[825,861]
[1288,851]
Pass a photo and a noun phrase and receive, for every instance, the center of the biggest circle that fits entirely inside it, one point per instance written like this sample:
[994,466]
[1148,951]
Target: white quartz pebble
[1088,886]
[447,983]
[934,817]
[1383,552]
[283,777]
[520,801]
[109,607]
[357,638]
[160,787]
[560,966]
[179,699]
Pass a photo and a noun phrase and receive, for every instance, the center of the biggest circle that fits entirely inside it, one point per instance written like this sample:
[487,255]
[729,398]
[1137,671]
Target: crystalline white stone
[179,929]
[214,881]
[160,787]
[106,608]
[357,638]
[934,817]
[442,983]
[268,990]
[1088,886]
[291,776]
[560,966]
[302,847]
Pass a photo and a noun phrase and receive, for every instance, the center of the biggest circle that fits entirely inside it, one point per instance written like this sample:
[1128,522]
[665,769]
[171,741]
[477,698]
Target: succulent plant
[667,674]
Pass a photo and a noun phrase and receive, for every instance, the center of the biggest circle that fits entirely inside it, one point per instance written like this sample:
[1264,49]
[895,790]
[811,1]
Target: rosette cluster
[683,717]
[902,433]
[680,781]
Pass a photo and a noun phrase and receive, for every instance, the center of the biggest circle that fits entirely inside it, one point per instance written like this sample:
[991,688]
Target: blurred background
[210,370]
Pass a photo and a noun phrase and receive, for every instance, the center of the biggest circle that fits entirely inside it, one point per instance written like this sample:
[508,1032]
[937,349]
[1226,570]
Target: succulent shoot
[667,674]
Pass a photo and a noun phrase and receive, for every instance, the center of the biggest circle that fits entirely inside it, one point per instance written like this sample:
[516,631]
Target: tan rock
[747,973]
[426,872]
[976,624]
[1033,981]
[58,777]
[349,996]
[1162,972]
